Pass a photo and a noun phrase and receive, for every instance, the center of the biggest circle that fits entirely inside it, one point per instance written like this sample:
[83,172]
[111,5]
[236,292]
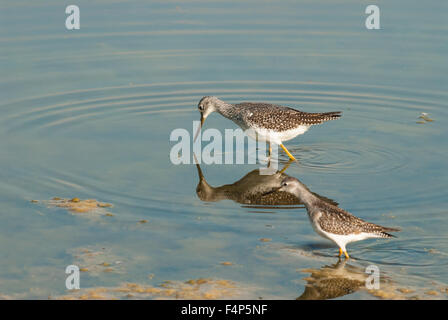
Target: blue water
[88,113]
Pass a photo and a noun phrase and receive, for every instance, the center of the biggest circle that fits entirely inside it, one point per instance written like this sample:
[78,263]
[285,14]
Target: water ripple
[83,110]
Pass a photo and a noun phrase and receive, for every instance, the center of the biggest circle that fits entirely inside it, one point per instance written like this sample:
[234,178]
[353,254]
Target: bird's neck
[226,109]
[306,196]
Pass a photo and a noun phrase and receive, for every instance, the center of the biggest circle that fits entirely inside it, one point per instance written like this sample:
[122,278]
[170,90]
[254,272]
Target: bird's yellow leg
[270,149]
[346,255]
[340,252]
[287,152]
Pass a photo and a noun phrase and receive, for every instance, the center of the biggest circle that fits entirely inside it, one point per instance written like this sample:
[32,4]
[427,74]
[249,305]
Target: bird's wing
[271,116]
[339,221]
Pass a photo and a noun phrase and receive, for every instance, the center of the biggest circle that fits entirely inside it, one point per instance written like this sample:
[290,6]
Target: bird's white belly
[341,240]
[277,136]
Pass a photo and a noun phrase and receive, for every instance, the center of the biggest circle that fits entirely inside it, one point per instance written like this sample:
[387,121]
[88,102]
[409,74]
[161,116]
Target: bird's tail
[318,118]
[384,233]
[331,115]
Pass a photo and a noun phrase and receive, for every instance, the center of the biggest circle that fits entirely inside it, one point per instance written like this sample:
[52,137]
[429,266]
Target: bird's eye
[201,107]
[284,184]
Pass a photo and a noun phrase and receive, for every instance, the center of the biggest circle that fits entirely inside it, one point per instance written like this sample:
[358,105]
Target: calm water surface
[88,114]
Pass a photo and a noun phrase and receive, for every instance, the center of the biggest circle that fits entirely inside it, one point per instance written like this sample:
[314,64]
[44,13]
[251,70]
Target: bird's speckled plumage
[280,118]
[265,115]
[335,220]
[332,222]
[264,121]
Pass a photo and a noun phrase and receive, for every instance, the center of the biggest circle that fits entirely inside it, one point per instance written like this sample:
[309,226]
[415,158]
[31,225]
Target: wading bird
[332,222]
[269,122]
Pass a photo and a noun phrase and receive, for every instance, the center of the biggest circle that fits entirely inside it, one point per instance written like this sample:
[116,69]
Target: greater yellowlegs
[330,221]
[270,122]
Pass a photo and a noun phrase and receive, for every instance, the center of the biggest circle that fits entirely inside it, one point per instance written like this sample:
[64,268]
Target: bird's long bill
[200,127]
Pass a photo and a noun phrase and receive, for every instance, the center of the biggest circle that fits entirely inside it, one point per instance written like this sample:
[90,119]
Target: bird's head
[207,105]
[294,187]
[290,185]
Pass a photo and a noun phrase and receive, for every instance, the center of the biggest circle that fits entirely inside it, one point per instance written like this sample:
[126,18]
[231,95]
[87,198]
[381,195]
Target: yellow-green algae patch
[406,290]
[198,289]
[97,260]
[78,206]
[393,292]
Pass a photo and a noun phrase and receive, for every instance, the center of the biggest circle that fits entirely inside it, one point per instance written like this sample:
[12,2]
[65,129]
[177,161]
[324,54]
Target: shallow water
[88,114]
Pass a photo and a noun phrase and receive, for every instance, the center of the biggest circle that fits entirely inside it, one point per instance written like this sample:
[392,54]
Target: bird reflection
[333,281]
[254,190]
